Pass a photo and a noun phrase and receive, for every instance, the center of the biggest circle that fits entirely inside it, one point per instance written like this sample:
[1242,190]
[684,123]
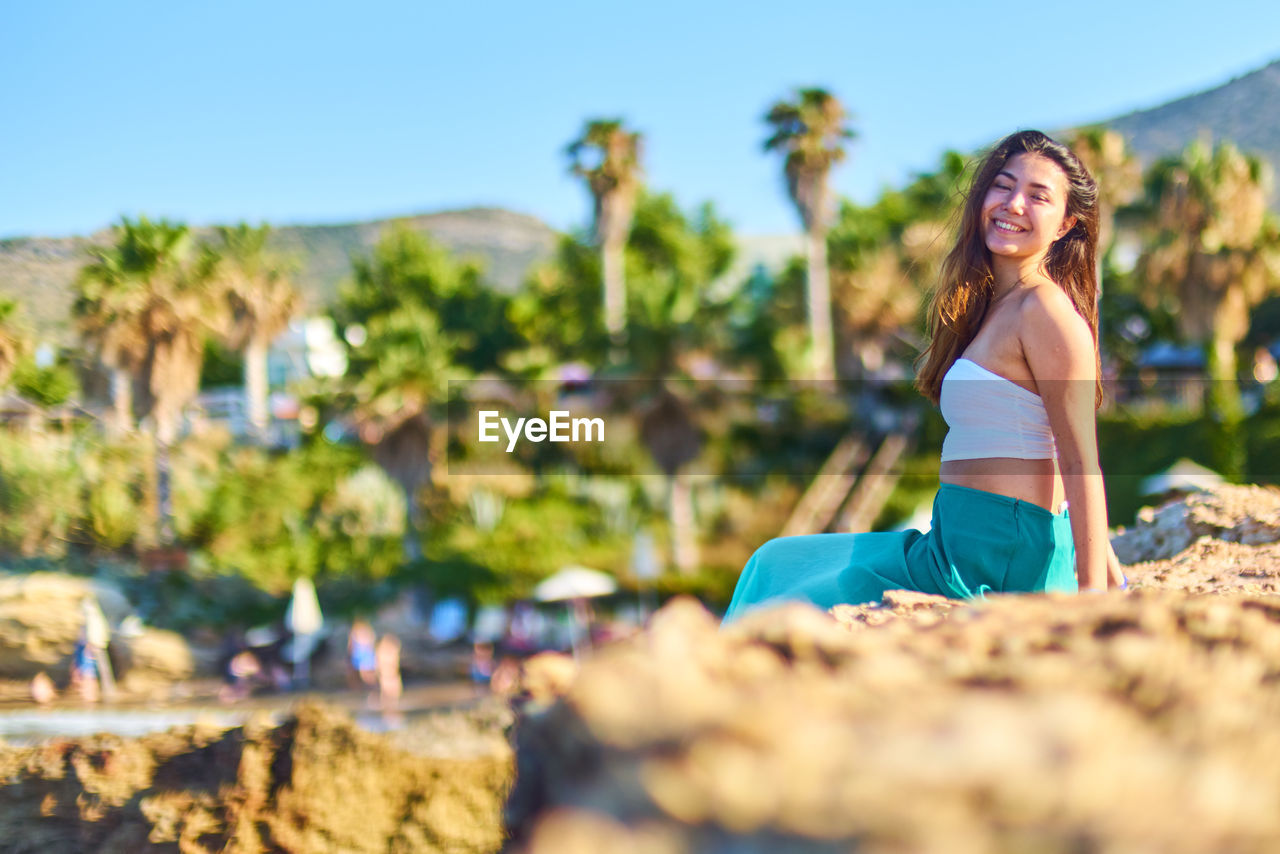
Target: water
[34,726]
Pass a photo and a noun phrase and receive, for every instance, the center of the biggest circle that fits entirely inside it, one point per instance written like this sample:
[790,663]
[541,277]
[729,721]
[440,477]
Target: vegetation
[607,157]
[811,133]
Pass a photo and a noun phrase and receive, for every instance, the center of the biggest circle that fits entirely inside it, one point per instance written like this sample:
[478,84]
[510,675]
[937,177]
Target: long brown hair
[966,282]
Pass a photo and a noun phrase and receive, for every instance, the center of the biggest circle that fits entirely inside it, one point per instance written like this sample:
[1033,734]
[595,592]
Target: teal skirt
[979,542]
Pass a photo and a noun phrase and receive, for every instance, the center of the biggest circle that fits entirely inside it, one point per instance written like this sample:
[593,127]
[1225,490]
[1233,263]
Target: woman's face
[1025,209]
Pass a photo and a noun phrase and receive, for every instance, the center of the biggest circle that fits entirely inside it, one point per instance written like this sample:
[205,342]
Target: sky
[325,112]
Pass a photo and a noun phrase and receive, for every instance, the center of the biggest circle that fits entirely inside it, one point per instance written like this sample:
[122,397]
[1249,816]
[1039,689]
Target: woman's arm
[1059,349]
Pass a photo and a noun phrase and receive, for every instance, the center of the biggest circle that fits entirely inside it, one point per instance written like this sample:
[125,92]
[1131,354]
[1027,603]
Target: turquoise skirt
[979,542]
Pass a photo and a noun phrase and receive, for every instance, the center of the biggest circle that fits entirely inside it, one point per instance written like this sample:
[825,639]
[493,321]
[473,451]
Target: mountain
[40,271]
[1245,110]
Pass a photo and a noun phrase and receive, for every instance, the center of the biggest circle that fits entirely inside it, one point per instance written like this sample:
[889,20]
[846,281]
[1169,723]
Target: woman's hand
[1116,579]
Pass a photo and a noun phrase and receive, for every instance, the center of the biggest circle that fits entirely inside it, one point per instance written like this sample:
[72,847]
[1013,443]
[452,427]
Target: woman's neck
[1010,273]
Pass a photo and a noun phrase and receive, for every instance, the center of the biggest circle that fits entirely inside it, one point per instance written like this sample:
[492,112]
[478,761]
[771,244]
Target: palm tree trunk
[684,537]
[615,293]
[819,294]
[1223,410]
[412,524]
[255,386]
[122,400]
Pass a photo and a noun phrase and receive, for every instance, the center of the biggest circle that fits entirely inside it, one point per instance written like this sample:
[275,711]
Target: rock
[1237,514]
[41,617]
[155,656]
[1109,722]
[315,783]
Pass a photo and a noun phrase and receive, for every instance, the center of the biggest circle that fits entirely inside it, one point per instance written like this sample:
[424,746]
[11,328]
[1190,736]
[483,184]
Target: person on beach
[84,669]
[390,687]
[361,658]
[1013,363]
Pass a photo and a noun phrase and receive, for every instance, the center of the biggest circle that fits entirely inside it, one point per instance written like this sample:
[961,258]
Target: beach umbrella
[573,585]
[574,582]
[1183,476]
[304,620]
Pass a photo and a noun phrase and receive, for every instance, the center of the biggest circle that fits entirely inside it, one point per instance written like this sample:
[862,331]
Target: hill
[40,271]
[1245,110]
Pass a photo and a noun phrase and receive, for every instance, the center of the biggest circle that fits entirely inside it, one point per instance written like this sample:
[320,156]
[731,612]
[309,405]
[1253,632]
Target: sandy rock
[314,784]
[40,617]
[1119,722]
[1237,514]
[156,657]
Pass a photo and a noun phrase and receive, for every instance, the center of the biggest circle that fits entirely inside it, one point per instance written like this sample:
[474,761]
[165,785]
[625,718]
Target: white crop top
[993,418]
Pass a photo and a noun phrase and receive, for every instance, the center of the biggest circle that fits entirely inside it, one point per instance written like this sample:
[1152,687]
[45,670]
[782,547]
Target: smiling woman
[1013,364]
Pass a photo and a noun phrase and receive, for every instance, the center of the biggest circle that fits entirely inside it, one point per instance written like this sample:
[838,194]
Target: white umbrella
[1183,475]
[575,582]
[305,621]
[572,585]
[303,616]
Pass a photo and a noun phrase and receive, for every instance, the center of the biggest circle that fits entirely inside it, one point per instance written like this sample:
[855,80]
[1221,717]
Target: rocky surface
[1137,721]
[41,616]
[312,785]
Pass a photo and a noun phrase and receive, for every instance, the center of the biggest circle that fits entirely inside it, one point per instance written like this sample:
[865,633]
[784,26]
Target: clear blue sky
[329,112]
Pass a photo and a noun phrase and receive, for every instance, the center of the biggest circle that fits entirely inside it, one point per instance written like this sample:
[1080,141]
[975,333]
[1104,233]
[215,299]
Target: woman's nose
[1015,202]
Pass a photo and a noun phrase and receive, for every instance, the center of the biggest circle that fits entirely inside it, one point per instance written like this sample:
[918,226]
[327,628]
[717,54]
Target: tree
[884,258]
[145,304]
[107,321]
[811,132]
[412,318]
[1216,249]
[1117,171]
[262,300]
[607,157]
[1212,243]
[673,320]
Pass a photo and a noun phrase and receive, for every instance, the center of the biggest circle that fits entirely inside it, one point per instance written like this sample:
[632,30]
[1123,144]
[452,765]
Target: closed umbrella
[305,621]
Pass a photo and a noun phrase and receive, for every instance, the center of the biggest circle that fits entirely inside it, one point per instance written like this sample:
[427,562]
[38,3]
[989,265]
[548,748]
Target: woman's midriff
[1036,481]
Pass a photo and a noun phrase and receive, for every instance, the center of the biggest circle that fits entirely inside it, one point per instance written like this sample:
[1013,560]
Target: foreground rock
[313,785]
[1117,722]
[1106,723]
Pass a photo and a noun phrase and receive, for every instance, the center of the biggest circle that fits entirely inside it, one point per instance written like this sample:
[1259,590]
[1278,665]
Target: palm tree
[398,372]
[811,132]
[106,316]
[1213,244]
[262,300]
[1117,171]
[607,157]
[146,304]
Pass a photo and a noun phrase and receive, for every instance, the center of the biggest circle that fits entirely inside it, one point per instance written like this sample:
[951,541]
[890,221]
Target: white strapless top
[993,418]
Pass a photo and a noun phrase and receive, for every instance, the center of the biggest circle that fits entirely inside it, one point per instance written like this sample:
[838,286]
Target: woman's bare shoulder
[1050,327]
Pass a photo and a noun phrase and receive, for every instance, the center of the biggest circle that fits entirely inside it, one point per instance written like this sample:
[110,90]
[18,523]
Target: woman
[1013,363]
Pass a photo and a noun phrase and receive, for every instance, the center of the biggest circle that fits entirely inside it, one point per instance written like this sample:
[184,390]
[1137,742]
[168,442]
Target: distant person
[43,691]
[242,671]
[506,676]
[360,654]
[387,655]
[84,670]
[1013,364]
[481,665]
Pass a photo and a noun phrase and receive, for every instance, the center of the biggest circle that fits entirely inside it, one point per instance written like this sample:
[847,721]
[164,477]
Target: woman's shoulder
[1048,323]
[1045,302]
